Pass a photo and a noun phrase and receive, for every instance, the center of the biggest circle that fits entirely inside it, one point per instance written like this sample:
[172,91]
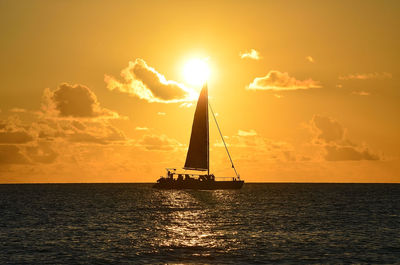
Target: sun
[196,72]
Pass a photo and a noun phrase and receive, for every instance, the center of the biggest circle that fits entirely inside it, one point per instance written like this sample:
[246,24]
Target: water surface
[261,223]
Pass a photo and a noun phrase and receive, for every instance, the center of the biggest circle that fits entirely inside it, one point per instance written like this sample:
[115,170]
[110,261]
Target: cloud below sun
[146,83]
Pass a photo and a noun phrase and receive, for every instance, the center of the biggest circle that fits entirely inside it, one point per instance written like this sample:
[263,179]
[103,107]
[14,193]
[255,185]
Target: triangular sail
[198,153]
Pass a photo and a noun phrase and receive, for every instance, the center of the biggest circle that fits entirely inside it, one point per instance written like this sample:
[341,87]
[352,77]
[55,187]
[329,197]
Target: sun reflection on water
[188,224]
[196,224]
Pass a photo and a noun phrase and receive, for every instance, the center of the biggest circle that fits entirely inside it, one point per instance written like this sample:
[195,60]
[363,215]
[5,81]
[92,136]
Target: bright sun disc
[196,72]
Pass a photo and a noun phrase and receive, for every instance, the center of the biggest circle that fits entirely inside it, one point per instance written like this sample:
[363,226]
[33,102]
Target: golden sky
[94,91]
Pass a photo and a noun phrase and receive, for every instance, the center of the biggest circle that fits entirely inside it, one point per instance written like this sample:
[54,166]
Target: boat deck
[194,184]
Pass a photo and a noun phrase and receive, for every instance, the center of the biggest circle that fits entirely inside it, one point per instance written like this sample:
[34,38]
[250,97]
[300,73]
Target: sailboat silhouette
[198,156]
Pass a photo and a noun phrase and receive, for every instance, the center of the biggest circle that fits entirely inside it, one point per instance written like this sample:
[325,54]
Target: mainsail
[198,153]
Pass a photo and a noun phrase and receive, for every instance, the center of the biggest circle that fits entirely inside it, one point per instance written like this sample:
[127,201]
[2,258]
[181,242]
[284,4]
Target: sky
[96,91]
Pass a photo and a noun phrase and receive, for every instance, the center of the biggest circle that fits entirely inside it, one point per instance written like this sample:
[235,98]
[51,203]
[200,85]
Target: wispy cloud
[145,82]
[310,59]
[185,105]
[361,93]
[247,133]
[161,113]
[357,76]
[252,54]
[255,147]
[158,143]
[279,81]
[141,128]
[17,110]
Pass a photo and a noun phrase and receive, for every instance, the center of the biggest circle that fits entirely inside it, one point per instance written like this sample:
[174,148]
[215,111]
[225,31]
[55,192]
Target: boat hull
[199,185]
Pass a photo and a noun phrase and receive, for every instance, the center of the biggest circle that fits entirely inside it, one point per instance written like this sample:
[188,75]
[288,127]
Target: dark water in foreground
[261,223]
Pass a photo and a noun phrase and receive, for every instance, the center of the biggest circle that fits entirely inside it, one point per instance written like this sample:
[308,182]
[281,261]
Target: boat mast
[222,137]
[208,135]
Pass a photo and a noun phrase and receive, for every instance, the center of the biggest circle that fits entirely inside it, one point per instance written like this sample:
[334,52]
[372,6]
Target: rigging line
[222,137]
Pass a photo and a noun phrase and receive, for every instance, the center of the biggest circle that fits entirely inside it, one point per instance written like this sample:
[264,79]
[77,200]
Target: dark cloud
[11,154]
[146,83]
[340,153]
[18,137]
[76,101]
[331,136]
[327,129]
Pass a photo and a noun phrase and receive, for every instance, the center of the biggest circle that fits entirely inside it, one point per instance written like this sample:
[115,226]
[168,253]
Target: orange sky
[93,91]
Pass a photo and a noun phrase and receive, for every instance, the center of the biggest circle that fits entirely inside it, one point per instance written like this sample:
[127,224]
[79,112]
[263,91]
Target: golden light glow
[196,71]
[276,83]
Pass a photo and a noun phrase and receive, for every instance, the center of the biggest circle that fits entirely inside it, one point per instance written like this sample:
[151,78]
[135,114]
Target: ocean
[260,224]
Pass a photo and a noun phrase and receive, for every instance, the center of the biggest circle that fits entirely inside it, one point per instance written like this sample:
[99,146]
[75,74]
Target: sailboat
[198,157]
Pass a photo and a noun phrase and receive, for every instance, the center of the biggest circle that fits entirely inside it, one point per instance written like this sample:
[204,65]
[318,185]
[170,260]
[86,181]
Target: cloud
[332,137]
[310,59]
[327,129]
[17,137]
[141,128]
[37,141]
[185,105]
[42,153]
[73,113]
[145,82]
[95,133]
[11,154]
[252,54]
[158,143]
[12,131]
[361,93]
[247,133]
[47,128]
[17,110]
[76,101]
[86,138]
[161,113]
[357,76]
[258,148]
[280,81]
[340,153]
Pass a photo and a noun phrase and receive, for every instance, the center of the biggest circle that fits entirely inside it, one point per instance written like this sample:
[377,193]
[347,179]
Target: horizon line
[250,182]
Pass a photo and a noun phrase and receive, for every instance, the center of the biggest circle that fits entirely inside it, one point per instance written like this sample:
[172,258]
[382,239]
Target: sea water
[259,224]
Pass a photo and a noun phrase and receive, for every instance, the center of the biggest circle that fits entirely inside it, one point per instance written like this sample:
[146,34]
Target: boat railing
[225,177]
